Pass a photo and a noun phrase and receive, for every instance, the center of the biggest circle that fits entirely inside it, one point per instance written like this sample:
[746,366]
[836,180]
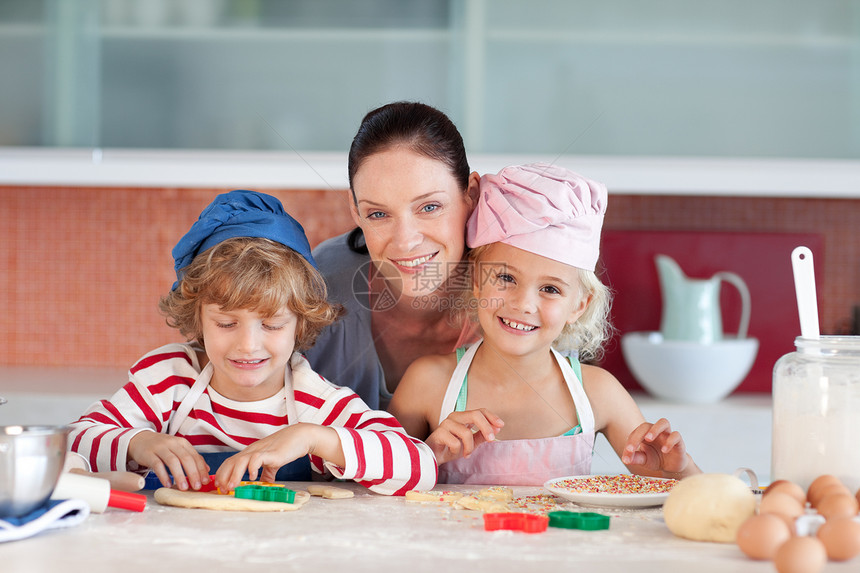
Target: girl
[512,409]
[248,298]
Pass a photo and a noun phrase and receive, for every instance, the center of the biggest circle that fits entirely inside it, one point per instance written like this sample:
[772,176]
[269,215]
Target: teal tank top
[464,389]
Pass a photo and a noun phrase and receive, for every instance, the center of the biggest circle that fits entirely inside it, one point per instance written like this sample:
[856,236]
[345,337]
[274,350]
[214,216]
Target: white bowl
[688,372]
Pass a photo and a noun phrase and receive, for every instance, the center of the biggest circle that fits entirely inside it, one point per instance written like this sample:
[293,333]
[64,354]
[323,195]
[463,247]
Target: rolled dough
[499,492]
[415,495]
[481,503]
[329,492]
[219,502]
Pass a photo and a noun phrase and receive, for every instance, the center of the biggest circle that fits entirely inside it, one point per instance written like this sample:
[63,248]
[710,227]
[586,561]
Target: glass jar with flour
[816,411]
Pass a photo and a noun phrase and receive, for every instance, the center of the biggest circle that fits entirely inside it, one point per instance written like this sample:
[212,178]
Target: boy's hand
[161,452]
[655,447]
[461,432]
[278,449]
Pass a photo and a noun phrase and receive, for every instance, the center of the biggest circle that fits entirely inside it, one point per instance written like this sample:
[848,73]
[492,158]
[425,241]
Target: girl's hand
[162,452]
[656,448]
[278,449]
[461,432]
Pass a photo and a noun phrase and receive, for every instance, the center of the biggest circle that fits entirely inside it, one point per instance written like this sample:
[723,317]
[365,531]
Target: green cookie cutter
[265,493]
[578,520]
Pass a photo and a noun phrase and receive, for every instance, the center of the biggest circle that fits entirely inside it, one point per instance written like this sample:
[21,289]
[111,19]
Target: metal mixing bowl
[31,459]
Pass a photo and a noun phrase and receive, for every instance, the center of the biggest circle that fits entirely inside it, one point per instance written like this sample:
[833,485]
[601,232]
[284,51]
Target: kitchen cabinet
[773,79]
[211,74]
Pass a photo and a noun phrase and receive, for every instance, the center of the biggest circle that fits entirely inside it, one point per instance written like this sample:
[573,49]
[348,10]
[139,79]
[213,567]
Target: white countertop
[721,437]
[366,533]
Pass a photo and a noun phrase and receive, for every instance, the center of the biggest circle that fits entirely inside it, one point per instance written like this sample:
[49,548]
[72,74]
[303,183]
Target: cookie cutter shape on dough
[587,520]
[481,503]
[329,492]
[265,493]
[525,522]
[498,492]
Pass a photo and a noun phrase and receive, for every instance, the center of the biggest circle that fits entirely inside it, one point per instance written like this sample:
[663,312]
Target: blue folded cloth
[54,514]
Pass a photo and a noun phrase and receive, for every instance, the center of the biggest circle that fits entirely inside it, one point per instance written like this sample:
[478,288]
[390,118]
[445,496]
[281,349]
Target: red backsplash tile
[82,269]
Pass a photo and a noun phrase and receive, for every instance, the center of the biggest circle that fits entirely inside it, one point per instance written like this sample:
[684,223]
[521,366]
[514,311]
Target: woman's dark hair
[422,128]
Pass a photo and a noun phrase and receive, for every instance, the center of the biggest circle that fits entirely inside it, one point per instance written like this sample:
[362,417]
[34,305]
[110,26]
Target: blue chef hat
[240,214]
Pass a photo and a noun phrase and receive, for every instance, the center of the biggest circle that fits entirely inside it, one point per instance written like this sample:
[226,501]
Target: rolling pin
[123,481]
[97,493]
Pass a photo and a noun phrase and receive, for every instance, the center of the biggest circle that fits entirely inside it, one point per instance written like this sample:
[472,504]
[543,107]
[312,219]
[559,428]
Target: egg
[782,503]
[800,555]
[841,538]
[761,535]
[827,491]
[789,487]
[819,483]
[789,522]
[837,505]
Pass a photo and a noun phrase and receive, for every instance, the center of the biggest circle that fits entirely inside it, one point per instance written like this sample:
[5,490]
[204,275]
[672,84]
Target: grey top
[345,353]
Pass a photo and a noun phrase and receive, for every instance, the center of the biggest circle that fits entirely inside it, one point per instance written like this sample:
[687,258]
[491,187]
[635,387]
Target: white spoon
[804,287]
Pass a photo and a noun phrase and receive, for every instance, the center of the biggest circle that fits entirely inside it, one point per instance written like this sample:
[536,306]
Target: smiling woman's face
[413,214]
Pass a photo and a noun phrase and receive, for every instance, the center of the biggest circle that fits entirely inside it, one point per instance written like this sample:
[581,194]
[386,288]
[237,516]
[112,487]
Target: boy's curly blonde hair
[254,274]
[587,335]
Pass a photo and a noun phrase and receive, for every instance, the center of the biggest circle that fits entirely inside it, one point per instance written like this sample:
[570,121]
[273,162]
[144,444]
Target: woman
[400,274]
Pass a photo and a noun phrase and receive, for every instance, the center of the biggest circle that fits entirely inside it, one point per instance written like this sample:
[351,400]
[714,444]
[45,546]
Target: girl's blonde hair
[587,335]
[251,274]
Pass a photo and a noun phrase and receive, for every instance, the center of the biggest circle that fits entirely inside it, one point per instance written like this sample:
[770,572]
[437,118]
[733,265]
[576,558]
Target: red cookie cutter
[207,487]
[526,522]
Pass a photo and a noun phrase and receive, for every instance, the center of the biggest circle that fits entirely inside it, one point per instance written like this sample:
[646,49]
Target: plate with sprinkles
[622,490]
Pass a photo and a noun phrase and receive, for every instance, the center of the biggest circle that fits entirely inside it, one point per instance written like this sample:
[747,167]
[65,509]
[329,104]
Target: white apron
[522,462]
[296,470]
[202,382]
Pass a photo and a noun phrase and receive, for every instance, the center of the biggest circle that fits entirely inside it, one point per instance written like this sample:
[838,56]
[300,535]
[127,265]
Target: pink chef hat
[543,209]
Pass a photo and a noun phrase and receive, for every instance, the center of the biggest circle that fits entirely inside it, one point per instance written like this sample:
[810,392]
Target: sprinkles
[617,484]
[541,504]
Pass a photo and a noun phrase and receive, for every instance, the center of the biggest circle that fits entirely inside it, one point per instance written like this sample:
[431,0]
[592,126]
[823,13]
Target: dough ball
[708,507]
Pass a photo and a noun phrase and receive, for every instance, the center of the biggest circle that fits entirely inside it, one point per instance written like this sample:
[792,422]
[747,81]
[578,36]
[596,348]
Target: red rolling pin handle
[126,500]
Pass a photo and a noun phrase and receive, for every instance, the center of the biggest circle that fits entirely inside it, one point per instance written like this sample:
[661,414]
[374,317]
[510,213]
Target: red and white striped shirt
[378,452]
